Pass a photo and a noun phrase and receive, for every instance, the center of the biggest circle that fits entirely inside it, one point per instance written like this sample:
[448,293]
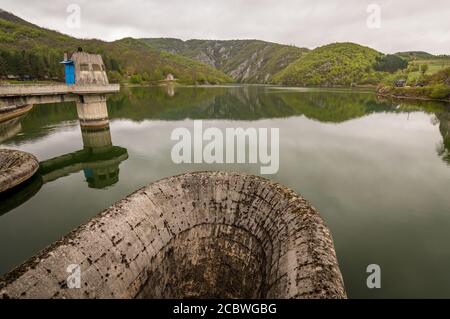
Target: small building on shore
[170,77]
[12,77]
[400,83]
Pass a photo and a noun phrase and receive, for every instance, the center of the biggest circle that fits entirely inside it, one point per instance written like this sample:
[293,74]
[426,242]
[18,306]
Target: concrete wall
[89,68]
[8,113]
[29,90]
[93,111]
[194,235]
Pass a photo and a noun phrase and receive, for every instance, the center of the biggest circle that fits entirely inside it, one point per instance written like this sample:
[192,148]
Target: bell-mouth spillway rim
[320,259]
[15,168]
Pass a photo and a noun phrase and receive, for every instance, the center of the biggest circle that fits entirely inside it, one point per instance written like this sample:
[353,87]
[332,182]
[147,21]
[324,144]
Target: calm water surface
[378,171]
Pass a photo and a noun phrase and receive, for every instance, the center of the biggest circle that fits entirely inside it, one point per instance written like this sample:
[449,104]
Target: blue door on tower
[70,72]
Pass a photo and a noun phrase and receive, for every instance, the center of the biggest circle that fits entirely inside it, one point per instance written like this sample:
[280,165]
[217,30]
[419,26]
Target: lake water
[377,171]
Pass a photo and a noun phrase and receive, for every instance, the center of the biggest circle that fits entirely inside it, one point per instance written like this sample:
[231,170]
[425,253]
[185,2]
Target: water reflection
[99,160]
[10,128]
[253,103]
[249,103]
[170,87]
[444,128]
[241,103]
[256,103]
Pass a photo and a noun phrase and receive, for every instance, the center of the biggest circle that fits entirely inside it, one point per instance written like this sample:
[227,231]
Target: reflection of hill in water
[241,103]
[232,103]
[229,103]
[256,102]
[444,127]
[10,128]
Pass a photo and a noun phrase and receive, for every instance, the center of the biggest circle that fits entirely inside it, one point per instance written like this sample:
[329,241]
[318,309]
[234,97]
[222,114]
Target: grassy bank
[435,87]
[435,92]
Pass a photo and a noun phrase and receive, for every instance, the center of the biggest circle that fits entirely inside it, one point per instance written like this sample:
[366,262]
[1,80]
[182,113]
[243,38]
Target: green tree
[440,91]
[145,77]
[3,65]
[157,75]
[114,77]
[136,79]
[390,63]
[424,68]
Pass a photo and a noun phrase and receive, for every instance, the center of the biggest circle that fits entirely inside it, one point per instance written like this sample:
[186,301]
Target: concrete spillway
[16,167]
[199,235]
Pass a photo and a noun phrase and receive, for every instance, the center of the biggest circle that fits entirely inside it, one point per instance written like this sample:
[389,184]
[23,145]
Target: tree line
[40,65]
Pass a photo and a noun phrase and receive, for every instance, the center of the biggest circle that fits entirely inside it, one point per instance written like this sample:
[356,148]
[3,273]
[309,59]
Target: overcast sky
[405,24]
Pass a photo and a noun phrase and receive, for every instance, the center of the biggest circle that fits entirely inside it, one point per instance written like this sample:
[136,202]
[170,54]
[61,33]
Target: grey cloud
[405,24]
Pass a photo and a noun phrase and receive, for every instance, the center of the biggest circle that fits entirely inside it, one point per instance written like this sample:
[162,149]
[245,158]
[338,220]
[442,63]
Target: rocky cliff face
[247,61]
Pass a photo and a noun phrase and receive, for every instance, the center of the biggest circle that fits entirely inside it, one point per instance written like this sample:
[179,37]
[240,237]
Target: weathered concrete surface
[19,95]
[7,90]
[14,111]
[89,68]
[93,111]
[15,168]
[198,235]
[90,100]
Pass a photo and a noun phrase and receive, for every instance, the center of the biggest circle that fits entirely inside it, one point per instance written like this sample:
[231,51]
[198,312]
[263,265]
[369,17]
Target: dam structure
[86,84]
[197,235]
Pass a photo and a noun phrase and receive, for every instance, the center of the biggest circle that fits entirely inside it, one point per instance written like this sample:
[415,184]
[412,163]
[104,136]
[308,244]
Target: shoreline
[402,97]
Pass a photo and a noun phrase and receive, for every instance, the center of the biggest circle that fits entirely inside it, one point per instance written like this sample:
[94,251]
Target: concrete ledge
[197,235]
[95,89]
[10,112]
[10,90]
[15,168]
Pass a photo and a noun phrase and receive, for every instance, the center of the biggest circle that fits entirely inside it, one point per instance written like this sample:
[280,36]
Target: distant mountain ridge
[247,61]
[30,51]
[5,15]
[416,55]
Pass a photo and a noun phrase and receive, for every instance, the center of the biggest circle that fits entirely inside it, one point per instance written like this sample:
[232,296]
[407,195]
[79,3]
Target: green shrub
[390,63]
[114,77]
[440,91]
[136,79]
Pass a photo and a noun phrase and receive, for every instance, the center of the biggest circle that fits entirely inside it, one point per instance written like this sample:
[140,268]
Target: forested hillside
[334,64]
[31,52]
[247,61]
[28,51]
